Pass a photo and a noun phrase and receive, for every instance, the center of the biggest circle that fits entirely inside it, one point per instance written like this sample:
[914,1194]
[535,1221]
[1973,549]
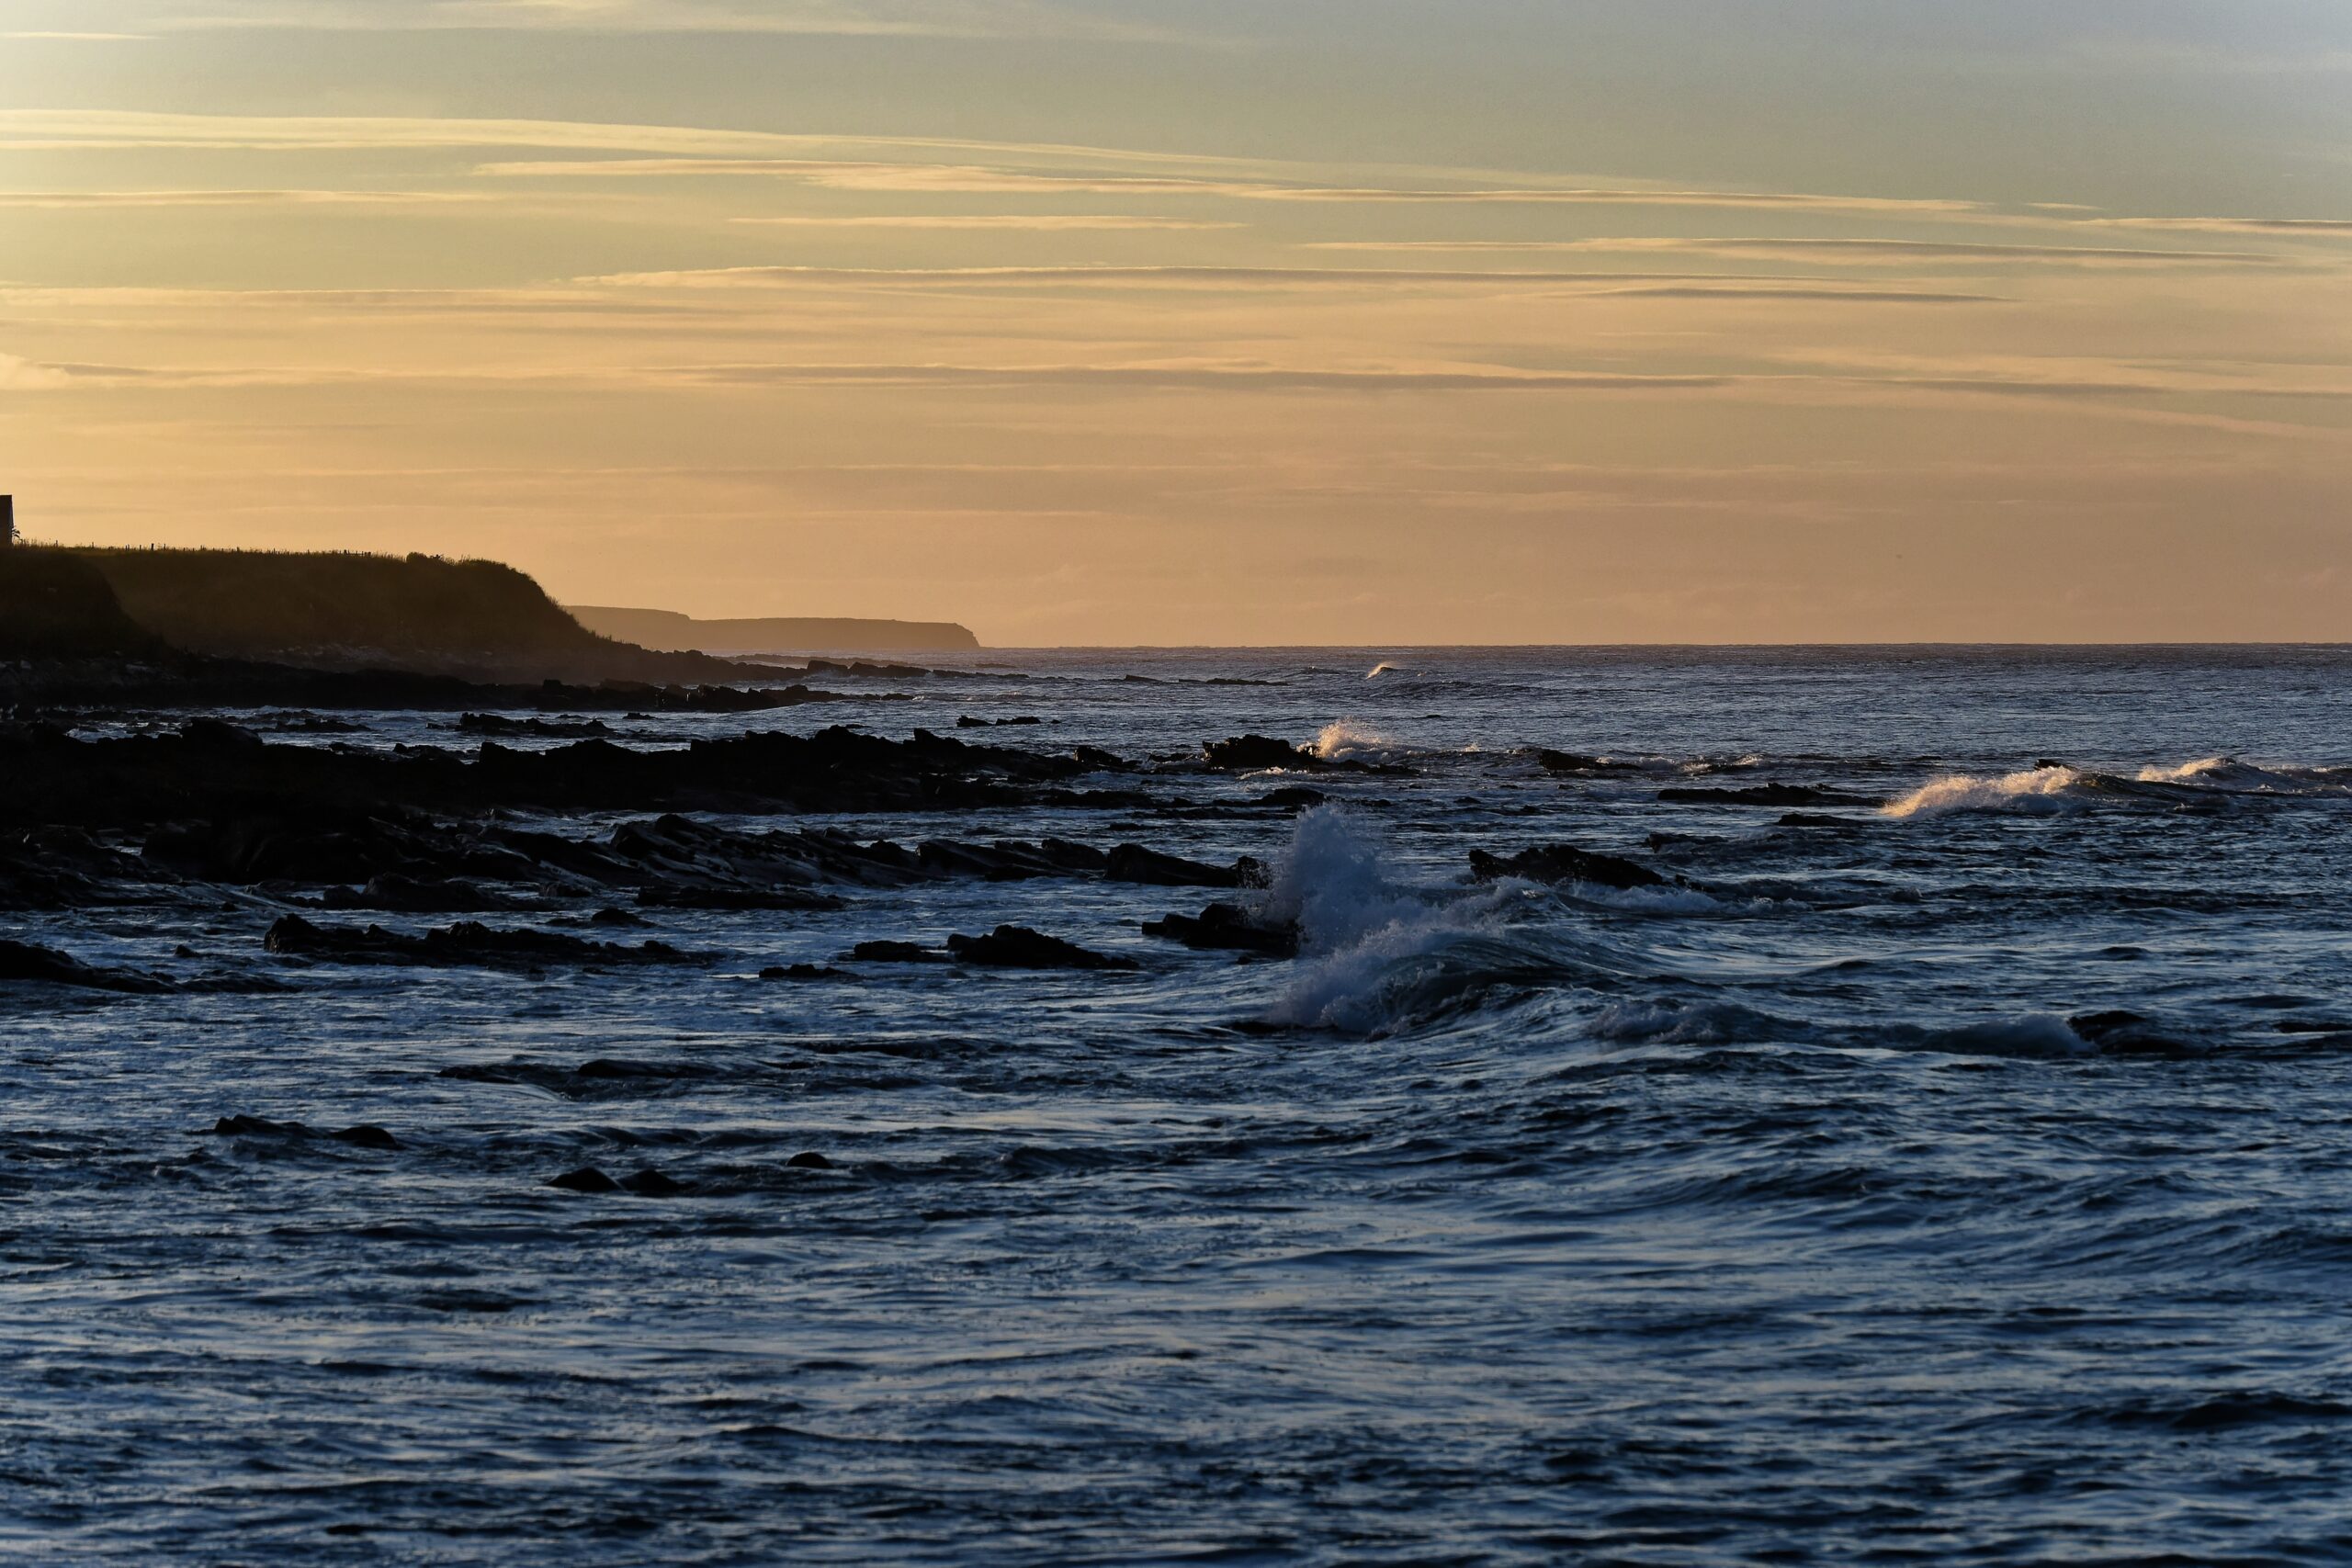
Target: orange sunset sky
[1203,320]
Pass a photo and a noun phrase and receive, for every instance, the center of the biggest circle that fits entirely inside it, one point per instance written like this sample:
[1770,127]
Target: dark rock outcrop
[468,944]
[1226,928]
[204,777]
[897,953]
[65,868]
[22,961]
[1018,947]
[502,725]
[805,971]
[1251,753]
[1150,868]
[1565,863]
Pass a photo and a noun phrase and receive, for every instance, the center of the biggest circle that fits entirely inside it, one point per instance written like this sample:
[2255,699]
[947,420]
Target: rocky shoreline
[518,844]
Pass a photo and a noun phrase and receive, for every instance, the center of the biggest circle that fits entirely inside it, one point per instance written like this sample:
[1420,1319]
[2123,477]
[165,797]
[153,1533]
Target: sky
[1176,321]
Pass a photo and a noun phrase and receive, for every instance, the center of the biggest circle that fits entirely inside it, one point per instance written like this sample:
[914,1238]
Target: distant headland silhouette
[667,631]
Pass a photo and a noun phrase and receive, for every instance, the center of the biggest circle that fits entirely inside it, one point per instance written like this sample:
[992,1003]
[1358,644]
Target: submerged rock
[2119,1033]
[241,1126]
[365,1137]
[1018,947]
[1565,863]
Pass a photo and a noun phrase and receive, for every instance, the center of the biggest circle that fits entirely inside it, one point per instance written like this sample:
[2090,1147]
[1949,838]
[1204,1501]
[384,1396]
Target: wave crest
[1372,952]
[2038,789]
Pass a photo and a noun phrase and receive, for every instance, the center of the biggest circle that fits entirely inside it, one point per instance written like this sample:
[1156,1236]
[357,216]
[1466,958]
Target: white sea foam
[1378,670]
[2039,789]
[2189,773]
[1360,932]
[1349,741]
[2228,776]
[2055,788]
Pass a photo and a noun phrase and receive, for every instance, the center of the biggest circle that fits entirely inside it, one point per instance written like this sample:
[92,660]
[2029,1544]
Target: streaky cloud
[975,179]
[1040,222]
[71,200]
[974,20]
[1866,252]
[1653,284]
[2317,228]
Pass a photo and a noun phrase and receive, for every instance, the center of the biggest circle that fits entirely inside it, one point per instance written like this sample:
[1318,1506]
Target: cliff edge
[480,620]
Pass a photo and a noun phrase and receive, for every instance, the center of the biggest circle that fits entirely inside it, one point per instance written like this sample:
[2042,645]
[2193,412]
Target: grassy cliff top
[345,609]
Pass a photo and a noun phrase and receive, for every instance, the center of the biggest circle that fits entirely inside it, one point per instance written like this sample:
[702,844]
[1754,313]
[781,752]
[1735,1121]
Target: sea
[1948,1161]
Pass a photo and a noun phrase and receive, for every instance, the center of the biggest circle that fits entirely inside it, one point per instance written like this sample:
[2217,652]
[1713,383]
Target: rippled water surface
[1953,1162]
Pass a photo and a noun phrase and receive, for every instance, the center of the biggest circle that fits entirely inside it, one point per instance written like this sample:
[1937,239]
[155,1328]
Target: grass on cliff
[259,604]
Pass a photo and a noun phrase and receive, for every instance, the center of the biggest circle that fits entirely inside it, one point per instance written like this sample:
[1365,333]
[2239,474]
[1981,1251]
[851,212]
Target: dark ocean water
[1778,1216]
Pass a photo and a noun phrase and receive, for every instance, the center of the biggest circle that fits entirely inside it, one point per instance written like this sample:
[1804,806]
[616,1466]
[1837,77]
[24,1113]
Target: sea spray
[1368,945]
[1351,741]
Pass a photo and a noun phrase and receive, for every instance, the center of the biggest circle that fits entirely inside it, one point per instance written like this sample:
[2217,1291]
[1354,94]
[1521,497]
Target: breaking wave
[1349,741]
[2038,789]
[2055,788]
[1373,952]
